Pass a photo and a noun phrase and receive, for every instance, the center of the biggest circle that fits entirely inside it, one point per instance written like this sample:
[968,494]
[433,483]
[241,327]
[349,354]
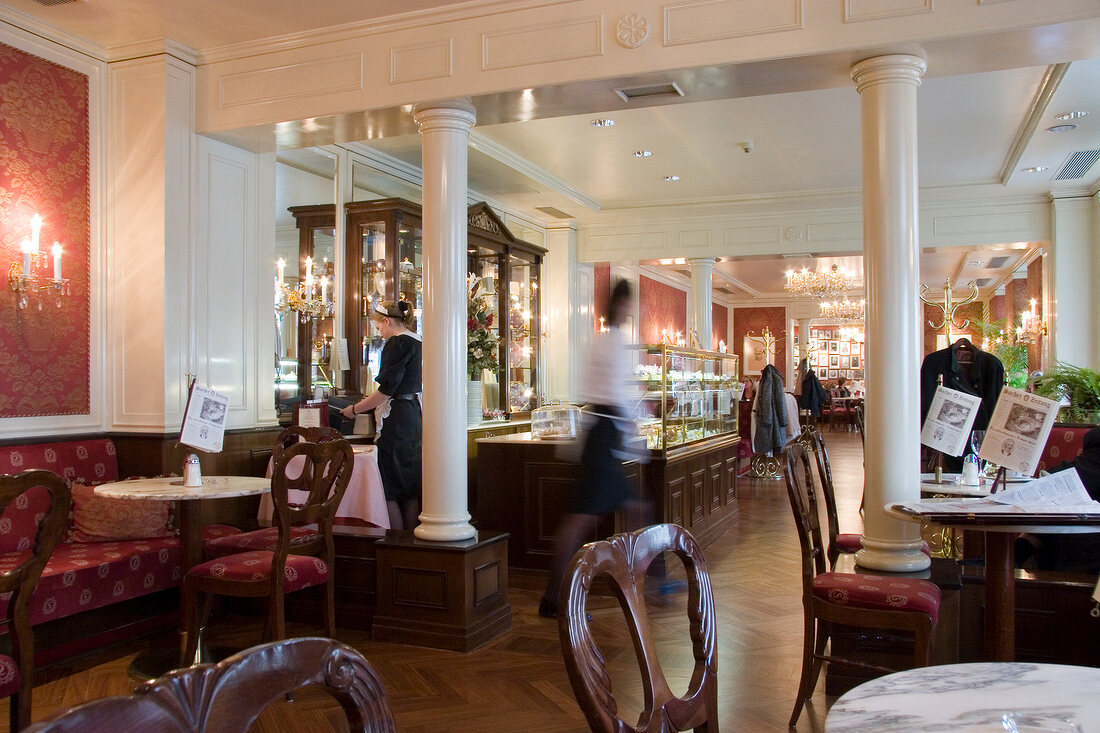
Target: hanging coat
[771,413]
[814,396]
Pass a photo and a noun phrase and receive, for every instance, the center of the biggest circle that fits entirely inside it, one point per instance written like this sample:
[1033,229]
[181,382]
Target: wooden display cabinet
[313,337]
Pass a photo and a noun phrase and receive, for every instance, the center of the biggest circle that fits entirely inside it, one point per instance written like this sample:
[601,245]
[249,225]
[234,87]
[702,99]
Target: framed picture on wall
[813,333]
[832,374]
[855,362]
[845,347]
[844,362]
[857,347]
[834,361]
[822,373]
[834,347]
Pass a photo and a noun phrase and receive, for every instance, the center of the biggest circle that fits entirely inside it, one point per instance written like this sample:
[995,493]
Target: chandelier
[311,299]
[817,284]
[843,310]
[27,278]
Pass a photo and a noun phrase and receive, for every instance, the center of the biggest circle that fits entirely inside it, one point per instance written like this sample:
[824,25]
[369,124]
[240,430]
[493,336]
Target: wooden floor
[518,681]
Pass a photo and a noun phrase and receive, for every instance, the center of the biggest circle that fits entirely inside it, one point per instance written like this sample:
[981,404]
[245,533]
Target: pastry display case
[687,396]
[556,422]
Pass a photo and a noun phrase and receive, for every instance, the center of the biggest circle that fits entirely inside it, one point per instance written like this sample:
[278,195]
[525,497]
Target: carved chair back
[228,697]
[624,559]
[22,569]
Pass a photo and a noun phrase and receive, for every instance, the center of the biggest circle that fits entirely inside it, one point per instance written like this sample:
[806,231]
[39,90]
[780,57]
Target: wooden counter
[523,488]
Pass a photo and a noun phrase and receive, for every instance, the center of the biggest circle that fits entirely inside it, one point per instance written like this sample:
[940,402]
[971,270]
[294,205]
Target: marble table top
[987,696]
[172,488]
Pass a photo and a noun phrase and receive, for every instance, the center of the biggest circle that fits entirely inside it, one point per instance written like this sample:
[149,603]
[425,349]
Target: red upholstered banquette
[1064,444]
[81,576]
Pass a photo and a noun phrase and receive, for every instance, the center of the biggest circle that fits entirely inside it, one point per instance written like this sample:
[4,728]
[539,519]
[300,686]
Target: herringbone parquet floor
[518,681]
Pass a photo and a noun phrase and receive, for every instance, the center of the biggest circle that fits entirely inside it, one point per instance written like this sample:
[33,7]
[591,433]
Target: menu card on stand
[204,420]
[950,417]
[1018,430]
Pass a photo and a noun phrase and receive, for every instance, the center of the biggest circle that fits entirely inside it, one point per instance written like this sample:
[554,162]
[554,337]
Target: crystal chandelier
[1032,327]
[817,284]
[311,299]
[843,310]
[29,276]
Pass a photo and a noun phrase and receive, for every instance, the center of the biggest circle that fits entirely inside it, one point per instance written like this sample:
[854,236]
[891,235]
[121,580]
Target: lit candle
[1033,311]
[56,260]
[309,278]
[282,268]
[324,288]
[25,247]
[36,228]
[790,276]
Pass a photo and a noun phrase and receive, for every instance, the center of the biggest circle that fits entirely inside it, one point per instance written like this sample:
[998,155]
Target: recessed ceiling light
[643,153]
[1035,169]
[1074,115]
[603,123]
[672,179]
[1061,128]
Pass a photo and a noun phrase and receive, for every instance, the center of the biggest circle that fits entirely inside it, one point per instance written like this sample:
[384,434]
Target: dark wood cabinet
[523,488]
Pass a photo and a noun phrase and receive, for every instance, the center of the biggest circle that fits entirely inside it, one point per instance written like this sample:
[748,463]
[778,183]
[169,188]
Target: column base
[899,556]
[445,529]
[443,595]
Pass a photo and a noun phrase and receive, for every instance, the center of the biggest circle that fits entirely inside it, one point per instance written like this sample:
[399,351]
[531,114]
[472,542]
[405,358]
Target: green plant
[1079,385]
[1003,345]
[481,342]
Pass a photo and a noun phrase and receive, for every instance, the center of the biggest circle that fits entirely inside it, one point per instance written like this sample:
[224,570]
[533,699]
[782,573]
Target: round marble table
[1052,698]
[172,489]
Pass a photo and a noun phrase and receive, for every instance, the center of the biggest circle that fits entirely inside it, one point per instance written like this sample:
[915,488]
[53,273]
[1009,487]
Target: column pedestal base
[443,595]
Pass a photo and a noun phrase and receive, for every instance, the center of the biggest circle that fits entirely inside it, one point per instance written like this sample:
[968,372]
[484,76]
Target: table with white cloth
[364,499]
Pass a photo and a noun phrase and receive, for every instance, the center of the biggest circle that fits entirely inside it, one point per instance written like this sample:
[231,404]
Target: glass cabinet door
[306,307]
[374,287]
[410,268]
[522,334]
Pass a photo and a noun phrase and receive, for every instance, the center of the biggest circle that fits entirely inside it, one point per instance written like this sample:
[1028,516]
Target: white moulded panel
[422,61]
[573,38]
[714,19]
[857,10]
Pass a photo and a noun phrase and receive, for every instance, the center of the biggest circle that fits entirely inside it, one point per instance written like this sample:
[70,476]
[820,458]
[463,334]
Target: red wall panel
[44,169]
[660,307]
[754,320]
[719,324]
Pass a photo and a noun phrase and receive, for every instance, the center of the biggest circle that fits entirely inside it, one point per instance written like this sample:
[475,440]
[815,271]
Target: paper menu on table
[204,422]
[1018,430]
[1058,493]
[947,425]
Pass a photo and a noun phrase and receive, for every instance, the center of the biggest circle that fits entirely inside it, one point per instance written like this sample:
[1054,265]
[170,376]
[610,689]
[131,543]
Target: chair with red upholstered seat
[839,542]
[229,696]
[267,538]
[623,560]
[848,599]
[297,561]
[19,578]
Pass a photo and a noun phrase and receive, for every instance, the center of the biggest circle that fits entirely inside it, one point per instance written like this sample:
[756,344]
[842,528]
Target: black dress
[399,447]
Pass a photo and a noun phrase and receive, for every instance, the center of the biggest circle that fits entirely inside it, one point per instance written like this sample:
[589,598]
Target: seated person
[1075,553]
[840,390]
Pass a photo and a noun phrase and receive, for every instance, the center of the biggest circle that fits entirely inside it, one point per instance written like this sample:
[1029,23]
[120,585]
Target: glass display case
[687,395]
[556,422]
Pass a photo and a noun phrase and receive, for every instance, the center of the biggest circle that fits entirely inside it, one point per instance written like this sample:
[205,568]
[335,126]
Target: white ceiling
[973,132]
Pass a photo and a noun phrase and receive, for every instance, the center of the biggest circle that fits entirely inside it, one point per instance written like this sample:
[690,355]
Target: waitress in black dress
[396,405]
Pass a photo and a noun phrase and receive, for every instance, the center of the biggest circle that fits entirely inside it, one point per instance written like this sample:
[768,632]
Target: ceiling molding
[736,283]
[51,33]
[153,47]
[518,163]
[1048,85]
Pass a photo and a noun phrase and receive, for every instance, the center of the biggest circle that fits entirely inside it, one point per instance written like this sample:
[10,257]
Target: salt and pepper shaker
[192,471]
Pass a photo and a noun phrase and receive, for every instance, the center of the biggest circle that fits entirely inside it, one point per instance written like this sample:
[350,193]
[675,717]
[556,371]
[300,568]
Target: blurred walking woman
[396,405]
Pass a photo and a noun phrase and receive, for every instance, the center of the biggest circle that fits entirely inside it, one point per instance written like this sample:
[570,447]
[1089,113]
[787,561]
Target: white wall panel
[713,19]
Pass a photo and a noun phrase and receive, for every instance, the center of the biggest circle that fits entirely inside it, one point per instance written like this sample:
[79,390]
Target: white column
[1074,323]
[701,301]
[444,132]
[887,86]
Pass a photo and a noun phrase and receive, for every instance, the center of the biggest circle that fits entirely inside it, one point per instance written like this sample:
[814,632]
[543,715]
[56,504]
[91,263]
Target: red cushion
[84,575]
[9,676]
[849,543]
[1064,444]
[91,461]
[261,539]
[877,591]
[302,571]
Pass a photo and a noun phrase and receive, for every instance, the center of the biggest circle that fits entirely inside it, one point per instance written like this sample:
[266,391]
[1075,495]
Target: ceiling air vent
[556,213]
[981,282]
[654,90]
[1077,165]
[996,263]
[54,2]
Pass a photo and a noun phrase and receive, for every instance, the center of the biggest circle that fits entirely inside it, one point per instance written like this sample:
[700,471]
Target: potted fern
[1080,386]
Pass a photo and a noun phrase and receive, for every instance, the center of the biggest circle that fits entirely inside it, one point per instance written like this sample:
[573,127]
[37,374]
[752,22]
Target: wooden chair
[267,538]
[624,559]
[839,542]
[229,696]
[21,569]
[848,599]
[273,573]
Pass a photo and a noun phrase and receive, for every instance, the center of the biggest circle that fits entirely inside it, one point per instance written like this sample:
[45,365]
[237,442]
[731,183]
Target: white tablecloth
[364,498]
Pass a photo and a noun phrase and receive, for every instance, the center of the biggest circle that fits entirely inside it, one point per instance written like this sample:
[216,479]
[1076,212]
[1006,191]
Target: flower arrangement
[481,342]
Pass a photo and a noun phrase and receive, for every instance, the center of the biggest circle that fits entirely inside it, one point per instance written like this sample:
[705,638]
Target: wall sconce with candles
[24,278]
[311,299]
[1032,327]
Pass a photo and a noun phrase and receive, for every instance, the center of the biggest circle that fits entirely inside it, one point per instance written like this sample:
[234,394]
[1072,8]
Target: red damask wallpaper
[601,285]
[754,320]
[44,169]
[660,307]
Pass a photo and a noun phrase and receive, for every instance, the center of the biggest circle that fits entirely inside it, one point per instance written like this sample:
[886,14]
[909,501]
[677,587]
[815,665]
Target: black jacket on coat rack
[771,412]
[984,378]
[814,397]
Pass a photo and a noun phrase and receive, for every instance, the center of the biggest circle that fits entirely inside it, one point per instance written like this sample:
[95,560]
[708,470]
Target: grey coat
[771,413]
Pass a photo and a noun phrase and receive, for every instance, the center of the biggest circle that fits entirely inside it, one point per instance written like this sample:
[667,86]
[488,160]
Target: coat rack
[948,308]
[765,341]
